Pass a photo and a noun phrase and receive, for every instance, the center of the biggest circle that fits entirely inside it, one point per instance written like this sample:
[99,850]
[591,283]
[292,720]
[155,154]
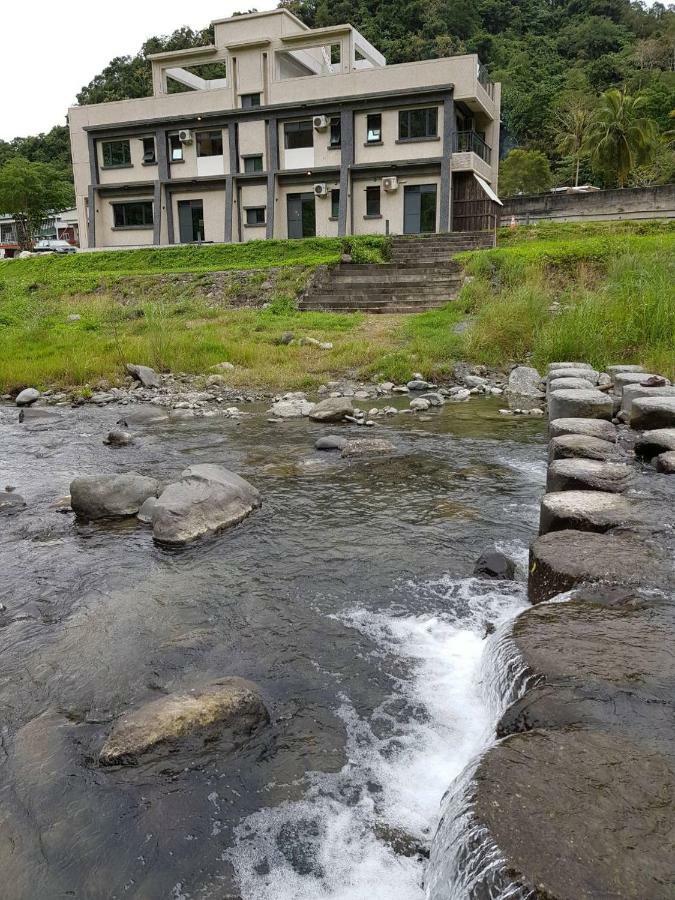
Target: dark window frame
[369,128]
[418,124]
[111,160]
[335,127]
[149,155]
[211,139]
[176,145]
[302,127]
[259,216]
[133,214]
[251,160]
[335,203]
[373,201]
[251,101]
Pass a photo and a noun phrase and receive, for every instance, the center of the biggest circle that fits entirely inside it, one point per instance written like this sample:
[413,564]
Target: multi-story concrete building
[278,130]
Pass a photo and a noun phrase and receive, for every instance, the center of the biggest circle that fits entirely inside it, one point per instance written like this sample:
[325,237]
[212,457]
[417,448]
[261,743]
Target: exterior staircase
[421,275]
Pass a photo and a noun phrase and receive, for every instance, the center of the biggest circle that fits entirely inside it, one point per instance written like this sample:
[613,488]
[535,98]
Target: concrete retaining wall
[630,203]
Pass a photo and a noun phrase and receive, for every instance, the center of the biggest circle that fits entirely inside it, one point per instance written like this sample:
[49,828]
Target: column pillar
[445,218]
[272,169]
[346,162]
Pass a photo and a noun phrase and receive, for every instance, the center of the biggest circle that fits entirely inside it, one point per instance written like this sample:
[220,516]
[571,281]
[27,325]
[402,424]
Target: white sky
[47,56]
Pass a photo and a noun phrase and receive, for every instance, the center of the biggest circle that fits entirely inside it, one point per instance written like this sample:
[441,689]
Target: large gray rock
[653,412]
[562,559]
[27,397]
[367,447]
[652,443]
[118,438]
[597,428]
[207,499]
[621,379]
[570,384]
[224,713]
[292,407]
[331,442]
[615,370]
[524,388]
[589,404]
[11,503]
[587,511]
[332,410]
[665,463]
[555,366]
[632,392]
[580,446]
[110,496]
[494,564]
[587,475]
[147,376]
[587,374]
[418,384]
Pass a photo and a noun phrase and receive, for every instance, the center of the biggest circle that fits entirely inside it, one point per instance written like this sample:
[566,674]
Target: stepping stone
[588,374]
[590,404]
[621,379]
[587,475]
[652,443]
[570,384]
[580,446]
[554,366]
[615,370]
[587,511]
[632,392]
[597,428]
[665,463]
[653,412]
[562,559]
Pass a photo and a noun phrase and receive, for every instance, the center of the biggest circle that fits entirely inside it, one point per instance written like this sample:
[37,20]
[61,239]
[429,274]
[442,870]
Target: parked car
[54,246]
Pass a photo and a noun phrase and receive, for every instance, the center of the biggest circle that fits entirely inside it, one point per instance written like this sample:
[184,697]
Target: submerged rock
[227,711]
[334,409]
[331,442]
[207,499]
[596,428]
[367,447]
[587,474]
[38,415]
[143,415]
[118,438]
[11,503]
[147,376]
[110,496]
[494,564]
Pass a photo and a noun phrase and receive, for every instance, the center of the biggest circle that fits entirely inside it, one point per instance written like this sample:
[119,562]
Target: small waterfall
[464,861]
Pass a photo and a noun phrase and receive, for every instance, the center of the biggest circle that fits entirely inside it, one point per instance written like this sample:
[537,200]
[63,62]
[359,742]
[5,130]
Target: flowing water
[347,598]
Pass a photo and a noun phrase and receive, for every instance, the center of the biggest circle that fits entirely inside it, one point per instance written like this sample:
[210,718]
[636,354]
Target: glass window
[335,203]
[250,100]
[253,163]
[255,215]
[116,153]
[209,143]
[417,123]
[136,214]
[149,155]
[298,134]
[374,128]
[335,132]
[175,148]
[373,200]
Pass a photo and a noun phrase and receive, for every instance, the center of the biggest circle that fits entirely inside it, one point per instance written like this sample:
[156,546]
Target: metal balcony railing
[484,80]
[472,142]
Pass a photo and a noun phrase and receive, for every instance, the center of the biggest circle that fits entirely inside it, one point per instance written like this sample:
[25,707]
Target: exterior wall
[252,139]
[120,237]
[630,203]
[391,150]
[138,171]
[214,212]
[391,204]
[252,195]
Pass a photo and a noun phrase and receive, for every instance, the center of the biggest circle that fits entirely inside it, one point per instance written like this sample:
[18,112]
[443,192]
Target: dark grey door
[301,215]
[419,209]
[190,221]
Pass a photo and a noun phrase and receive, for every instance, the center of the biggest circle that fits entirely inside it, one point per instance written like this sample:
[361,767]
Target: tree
[30,192]
[619,137]
[571,133]
[524,172]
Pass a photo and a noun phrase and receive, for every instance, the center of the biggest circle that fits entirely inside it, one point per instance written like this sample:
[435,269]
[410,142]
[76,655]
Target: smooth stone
[207,499]
[434,399]
[621,379]
[615,370]
[227,711]
[570,384]
[295,408]
[118,438]
[524,388]
[144,514]
[143,415]
[587,511]
[420,404]
[597,428]
[418,385]
[147,376]
[589,404]
[587,475]
[586,374]
[554,366]
[580,446]
[334,409]
[665,463]
[27,397]
[653,412]
[367,447]
[560,560]
[331,442]
[654,442]
[633,392]
[223,367]
[11,503]
[494,564]
[109,496]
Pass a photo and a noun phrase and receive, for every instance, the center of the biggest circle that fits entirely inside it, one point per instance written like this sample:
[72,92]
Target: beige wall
[252,141]
[391,204]
[248,73]
[390,151]
[322,206]
[108,236]
[214,213]
[252,195]
[137,172]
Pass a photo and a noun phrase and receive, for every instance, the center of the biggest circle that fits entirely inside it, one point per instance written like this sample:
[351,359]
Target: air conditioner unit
[320,190]
[390,183]
[185,136]
[321,123]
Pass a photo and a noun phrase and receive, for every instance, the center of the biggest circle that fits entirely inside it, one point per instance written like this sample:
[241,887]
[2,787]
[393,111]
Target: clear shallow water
[347,598]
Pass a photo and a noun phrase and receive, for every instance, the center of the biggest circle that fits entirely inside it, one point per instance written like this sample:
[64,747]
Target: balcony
[485,81]
[472,142]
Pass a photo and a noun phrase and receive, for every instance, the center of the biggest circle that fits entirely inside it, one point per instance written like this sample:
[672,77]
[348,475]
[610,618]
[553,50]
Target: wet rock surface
[587,474]
[665,463]
[367,447]
[111,496]
[652,443]
[494,564]
[581,446]
[597,428]
[653,412]
[11,503]
[584,510]
[334,409]
[582,404]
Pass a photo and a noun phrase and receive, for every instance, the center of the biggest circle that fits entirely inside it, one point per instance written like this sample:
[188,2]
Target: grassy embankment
[599,292]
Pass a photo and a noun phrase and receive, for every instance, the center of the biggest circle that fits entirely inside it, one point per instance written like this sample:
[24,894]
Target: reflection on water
[347,598]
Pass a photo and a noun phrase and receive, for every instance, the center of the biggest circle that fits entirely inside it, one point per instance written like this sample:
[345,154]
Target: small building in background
[62,226]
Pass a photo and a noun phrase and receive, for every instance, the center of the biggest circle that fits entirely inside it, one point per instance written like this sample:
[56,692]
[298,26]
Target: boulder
[570,384]
[580,446]
[147,376]
[332,410]
[207,499]
[27,397]
[11,503]
[143,415]
[434,399]
[223,367]
[418,384]
[585,404]
[587,475]
[367,447]
[286,338]
[524,388]
[224,714]
[494,564]
[587,511]
[560,560]
[597,428]
[554,366]
[615,370]
[118,438]
[145,512]
[331,442]
[665,463]
[586,374]
[419,404]
[621,379]
[111,496]
[654,442]
[292,408]
[653,412]
[632,392]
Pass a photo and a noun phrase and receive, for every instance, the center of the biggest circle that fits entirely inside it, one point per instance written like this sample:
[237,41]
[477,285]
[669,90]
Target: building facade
[278,130]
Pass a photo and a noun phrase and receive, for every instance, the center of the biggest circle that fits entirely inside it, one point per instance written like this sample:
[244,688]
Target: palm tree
[571,133]
[619,137]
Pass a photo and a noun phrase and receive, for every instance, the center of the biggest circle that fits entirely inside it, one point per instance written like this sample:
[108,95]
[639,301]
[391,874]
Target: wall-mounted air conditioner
[185,136]
[320,190]
[321,123]
[390,183]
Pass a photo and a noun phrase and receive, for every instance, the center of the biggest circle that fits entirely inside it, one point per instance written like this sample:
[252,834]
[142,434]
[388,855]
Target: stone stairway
[421,275]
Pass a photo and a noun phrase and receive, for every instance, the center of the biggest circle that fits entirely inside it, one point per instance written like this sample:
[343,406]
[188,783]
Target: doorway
[419,209]
[301,215]
[191,221]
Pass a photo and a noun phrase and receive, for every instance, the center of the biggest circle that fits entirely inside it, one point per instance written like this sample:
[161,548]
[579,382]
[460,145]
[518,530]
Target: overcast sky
[50,50]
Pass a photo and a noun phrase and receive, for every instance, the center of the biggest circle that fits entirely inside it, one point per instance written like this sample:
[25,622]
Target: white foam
[325,847]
